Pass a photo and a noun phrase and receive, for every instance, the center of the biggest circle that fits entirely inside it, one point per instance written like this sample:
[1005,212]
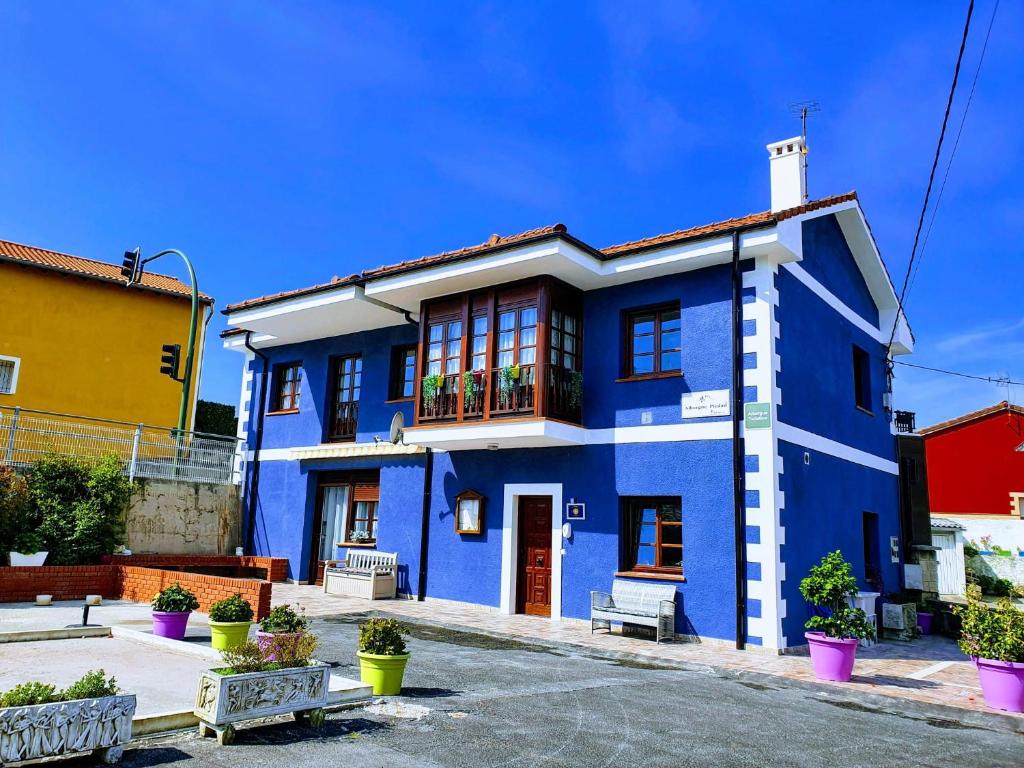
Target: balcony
[905,421]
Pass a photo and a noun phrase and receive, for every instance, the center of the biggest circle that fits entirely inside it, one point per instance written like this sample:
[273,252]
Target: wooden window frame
[444,321]
[559,347]
[470,495]
[517,308]
[399,366]
[629,318]
[862,379]
[335,369]
[278,405]
[630,504]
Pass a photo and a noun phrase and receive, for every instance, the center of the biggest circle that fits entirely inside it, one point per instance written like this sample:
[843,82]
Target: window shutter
[367,492]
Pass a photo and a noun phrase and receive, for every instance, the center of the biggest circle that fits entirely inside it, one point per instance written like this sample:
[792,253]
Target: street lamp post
[132,270]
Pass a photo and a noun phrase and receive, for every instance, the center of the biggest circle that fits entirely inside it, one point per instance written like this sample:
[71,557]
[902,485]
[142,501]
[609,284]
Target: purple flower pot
[263,640]
[832,657]
[1002,683]
[924,623]
[170,624]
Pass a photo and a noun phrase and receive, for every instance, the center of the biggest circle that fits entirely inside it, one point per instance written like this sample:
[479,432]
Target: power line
[931,176]
[956,144]
[1003,380]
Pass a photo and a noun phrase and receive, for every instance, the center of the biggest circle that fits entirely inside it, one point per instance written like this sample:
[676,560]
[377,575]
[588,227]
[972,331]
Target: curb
[64,633]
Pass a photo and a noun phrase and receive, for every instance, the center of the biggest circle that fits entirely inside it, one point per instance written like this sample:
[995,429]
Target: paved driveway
[475,701]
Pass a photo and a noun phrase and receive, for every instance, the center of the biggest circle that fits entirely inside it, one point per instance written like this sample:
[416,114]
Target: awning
[352,450]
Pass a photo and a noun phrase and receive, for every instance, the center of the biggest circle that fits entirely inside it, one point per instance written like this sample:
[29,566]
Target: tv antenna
[802,109]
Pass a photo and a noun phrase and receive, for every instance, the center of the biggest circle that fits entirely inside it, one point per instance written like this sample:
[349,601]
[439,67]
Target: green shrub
[175,599]
[286,651]
[79,506]
[234,608]
[17,520]
[382,637]
[830,586]
[990,632]
[27,694]
[246,657]
[93,685]
[971,549]
[991,585]
[283,619]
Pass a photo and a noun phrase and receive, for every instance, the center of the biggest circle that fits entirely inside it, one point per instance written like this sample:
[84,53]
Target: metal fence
[159,453]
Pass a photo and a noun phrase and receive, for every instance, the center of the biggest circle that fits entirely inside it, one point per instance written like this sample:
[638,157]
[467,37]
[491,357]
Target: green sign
[757,415]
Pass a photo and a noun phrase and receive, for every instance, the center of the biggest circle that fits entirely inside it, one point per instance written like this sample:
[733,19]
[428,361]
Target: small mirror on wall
[469,512]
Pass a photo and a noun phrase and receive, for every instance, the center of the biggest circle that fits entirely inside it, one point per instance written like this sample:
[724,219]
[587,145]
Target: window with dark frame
[403,372]
[288,380]
[653,341]
[348,377]
[564,340]
[517,336]
[862,378]
[652,535]
[444,348]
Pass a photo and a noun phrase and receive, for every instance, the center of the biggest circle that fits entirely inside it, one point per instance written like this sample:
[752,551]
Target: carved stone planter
[222,700]
[67,728]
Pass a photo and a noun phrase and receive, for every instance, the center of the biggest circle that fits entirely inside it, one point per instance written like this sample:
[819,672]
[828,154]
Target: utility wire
[956,144]
[931,176]
[991,379]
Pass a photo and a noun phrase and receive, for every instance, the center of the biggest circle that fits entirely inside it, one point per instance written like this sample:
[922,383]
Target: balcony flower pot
[832,658]
[266,639]
[23,558]
[283,627]
[382,655]
[67,728]
[924,622]
[1002,683]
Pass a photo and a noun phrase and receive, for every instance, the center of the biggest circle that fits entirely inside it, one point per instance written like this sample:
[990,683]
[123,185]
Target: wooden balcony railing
[514,397]
[343,427]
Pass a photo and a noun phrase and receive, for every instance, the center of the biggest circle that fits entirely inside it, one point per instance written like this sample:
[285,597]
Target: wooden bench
[370,575]
[635,602]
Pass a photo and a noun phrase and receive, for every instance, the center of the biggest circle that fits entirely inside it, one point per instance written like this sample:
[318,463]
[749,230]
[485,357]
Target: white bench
[635,602]
[370,575]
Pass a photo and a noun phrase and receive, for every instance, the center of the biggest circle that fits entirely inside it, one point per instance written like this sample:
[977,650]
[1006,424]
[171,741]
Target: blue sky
[282,144]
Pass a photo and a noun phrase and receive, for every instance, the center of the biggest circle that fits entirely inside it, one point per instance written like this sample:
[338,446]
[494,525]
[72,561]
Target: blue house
[708,408]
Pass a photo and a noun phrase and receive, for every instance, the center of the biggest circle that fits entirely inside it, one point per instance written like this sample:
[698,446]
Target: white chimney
[788,161]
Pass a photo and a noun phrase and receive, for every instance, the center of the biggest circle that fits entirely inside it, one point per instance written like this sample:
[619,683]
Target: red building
[975,470]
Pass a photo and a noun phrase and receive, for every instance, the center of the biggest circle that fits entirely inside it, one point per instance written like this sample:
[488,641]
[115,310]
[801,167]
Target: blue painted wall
[825,502]
[827,258]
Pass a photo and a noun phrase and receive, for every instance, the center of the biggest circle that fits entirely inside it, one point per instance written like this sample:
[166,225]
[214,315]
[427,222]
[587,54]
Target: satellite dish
[397,428]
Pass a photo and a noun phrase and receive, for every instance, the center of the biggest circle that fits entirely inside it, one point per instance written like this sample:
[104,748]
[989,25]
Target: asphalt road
[473,701]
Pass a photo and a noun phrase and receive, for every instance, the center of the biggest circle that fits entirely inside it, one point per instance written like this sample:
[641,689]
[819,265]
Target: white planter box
[225,699]
[36,558]
[67,728]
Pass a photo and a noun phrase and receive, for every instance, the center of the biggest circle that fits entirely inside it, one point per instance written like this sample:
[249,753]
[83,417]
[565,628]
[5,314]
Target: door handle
[540,562]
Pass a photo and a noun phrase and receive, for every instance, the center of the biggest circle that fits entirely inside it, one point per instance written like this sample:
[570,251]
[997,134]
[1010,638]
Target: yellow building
[74,339]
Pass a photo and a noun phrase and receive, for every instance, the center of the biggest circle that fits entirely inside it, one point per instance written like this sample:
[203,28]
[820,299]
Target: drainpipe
[428,475]
[254,485]
[738,459]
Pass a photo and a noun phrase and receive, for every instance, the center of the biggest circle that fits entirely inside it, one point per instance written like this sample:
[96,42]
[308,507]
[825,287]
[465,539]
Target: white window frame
[14,376]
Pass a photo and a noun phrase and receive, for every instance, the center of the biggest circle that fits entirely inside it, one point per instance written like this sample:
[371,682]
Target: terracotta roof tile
[1004,406]
[89,268]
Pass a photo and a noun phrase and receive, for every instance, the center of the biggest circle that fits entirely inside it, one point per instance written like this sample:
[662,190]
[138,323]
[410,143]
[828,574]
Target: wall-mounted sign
[575,510]
[711,402]
[469,513]
[894,549]
[757,415]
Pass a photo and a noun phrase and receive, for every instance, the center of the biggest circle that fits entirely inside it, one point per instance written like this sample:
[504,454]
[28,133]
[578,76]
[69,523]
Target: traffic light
[169,360]
[131,267]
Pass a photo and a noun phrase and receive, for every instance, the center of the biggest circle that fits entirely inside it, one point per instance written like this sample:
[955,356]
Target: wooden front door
[533,593]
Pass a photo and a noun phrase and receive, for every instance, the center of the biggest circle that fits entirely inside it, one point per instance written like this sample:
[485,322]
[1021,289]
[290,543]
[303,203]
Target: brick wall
[276,568]
[125,582]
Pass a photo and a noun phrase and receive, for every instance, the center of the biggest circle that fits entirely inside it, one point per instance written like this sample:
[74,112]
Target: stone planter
[222,700]
[20,558]
[67,728]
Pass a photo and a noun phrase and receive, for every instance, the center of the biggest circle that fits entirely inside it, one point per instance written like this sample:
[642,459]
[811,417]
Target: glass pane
[670,340]
[359,364]
[528,337]
[335,504]
[479,345]
[570,343]
[407,390]
[506,340]
[504,359]
[556,338]
[527,355]
[556,319]
[649,516]
[507,321]
[670,320]
[643,324]
[436,332]
[570,324]
[433,367]
[479,362]
[555,356]
[455,329]
[643,344]
[452,366]
[569,361]
[528,316]
[479,326]
[643,364]
[454,348]
[671,557]
[670,361]
[434,353]
[645,554]
[671,513]
[671,534]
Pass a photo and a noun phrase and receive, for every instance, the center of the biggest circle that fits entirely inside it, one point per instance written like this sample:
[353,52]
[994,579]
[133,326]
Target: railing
[159,453]
[345,417]
[905,421]
[513,397]
[444,403]
[565,393]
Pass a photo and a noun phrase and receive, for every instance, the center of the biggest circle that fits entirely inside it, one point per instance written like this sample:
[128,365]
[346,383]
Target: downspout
[254,484]
[738,495]
[428,476]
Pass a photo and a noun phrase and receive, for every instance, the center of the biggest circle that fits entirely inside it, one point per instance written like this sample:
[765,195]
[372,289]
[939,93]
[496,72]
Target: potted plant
[993,636]
[283,625]
[836,627]
[28,550]
[262,682]
[575,389]
[38,721]
[171,608]
[431,386]
[470,384]
[382,655]
[230,620]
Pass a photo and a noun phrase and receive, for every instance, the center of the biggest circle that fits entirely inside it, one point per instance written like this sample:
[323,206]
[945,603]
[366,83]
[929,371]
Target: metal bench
[369,575]
[635,602]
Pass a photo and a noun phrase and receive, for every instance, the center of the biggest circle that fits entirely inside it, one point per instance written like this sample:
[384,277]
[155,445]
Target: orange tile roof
[1002,407]
[31,256]
[498,242]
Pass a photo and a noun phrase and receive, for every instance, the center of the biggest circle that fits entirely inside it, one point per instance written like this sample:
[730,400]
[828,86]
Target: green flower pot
[384,673]
[228,634]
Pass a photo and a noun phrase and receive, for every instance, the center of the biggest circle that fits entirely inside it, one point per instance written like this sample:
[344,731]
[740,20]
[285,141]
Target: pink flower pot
[924,623]
[832,657]
[170,624]
[1002,683]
